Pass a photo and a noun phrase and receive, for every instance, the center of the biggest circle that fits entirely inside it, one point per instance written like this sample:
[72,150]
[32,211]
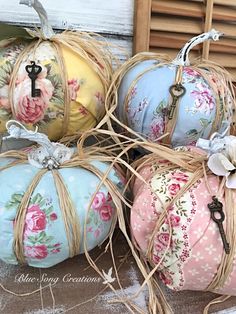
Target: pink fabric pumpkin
[186,245]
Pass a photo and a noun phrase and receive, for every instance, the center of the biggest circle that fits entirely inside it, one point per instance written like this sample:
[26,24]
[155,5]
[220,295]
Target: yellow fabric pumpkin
[73,80]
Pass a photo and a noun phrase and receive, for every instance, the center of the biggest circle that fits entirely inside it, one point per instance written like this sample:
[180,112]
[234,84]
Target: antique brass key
[176,91]
[217,214]
[33,71]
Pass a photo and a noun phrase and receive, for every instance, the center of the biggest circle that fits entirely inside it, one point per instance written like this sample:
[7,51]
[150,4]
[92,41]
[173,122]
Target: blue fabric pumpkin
[157,95]
[57,210]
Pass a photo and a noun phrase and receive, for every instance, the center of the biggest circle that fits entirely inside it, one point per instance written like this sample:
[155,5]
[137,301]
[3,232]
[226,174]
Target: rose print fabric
[196,248]
[143,103]
[45,241]
[86,91]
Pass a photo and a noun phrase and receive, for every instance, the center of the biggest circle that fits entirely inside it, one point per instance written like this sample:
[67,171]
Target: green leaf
[48,210]
[51,246]
[15,201]
[52,68]
[42,235]
[42,203]
[10,206]
[57,100]
[47,240]
[204,122]
[31,238]
[48,67]
[192,133]
[55,80]
[36,199]
[17,197]
[5,114]
[5,73]
[160,107]
[95,220]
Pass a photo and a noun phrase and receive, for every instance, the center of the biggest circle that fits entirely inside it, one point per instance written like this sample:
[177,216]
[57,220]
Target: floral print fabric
[86,92]
[40,214]
[195,245]
[45,242]
[146,110]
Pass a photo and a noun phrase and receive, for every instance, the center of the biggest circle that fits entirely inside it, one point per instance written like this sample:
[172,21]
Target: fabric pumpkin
[183,242]
[55,211]
[146,86]
[74,77]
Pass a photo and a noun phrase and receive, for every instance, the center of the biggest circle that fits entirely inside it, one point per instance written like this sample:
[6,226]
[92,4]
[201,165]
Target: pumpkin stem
[182,57]
[45,25]
[49,155]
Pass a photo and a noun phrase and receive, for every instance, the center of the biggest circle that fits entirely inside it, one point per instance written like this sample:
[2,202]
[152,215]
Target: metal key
[176,91]
[217,214]
[33,71]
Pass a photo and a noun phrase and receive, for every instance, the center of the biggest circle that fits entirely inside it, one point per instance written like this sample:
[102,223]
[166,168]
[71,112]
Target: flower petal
[226,163]
[231,181]
[219,164]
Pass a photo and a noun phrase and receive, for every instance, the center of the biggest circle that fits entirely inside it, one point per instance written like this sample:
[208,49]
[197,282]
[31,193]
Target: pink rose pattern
[27,108]
[167,184]
[134,113]
[74,87]
[157,128]
[37,251]
[204,100]
[105,212]
[101,212]
[98,200]
[99,100]
[180,177]
[174,188]
[152,124]
[40,214]
[35,220]
[50,105]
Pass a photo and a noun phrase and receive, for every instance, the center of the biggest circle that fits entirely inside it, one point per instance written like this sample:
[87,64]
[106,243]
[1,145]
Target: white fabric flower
[220,165]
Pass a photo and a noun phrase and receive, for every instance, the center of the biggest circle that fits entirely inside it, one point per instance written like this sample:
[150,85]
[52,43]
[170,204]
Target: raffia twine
[209,71]
[93,48]
[190,161]
[83,159]
[195,163]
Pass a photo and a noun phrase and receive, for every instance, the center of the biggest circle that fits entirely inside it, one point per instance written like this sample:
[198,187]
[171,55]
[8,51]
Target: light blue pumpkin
[45,240]
[145,96]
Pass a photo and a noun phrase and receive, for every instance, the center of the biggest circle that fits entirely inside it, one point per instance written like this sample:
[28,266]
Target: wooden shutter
[164,26]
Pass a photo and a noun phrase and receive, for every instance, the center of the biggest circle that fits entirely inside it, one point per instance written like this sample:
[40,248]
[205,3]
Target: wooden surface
[111,18]
[142,25]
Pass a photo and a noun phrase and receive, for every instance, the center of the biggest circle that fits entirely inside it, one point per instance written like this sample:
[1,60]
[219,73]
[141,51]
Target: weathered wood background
[111,18]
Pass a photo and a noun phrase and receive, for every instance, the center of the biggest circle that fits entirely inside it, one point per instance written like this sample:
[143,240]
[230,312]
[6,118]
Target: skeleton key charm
[218,216]
[33,71]
[176,91]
